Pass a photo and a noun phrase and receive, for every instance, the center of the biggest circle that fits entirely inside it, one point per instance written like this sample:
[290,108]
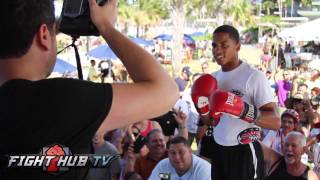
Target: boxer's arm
[269,117]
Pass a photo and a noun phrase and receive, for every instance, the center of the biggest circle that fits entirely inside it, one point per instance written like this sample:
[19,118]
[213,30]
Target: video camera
[75,18]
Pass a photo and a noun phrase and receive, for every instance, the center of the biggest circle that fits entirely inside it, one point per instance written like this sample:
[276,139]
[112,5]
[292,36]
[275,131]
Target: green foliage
[60,45]
[143,12]
[306,2]
[205,37]
[268,6]
[204,7]
[271,19]
[253,31]
[303,2]
[242,12]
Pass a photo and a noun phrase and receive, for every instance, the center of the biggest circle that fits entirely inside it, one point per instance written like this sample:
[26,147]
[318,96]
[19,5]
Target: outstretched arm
[143,99]
[181,119]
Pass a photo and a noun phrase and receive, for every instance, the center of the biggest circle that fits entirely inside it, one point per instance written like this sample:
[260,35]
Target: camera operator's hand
[103,16]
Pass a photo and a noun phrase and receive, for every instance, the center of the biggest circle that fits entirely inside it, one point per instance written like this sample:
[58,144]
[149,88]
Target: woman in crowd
[289,122]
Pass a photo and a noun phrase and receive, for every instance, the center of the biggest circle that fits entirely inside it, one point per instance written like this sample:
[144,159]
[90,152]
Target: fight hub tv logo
[56,159]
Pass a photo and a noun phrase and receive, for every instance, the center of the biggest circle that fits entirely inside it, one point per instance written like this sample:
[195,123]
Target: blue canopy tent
[102,52]
[142,42]
[187,40]
[196,34]
[164,37]
[167,37]
[62,66]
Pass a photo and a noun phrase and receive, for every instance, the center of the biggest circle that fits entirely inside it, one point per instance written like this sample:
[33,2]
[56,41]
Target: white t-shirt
[200,170]
[253,87]
[193,116]
[183,106]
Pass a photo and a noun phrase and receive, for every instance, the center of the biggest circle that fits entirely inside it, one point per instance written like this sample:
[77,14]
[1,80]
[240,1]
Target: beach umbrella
[141,41]
[196,34]
[62,66]
[102,52]
[187,40]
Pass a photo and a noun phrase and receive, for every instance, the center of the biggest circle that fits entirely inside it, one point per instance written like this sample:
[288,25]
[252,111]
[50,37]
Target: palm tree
[142,14]
[241,11]
[267,6]
[177,13]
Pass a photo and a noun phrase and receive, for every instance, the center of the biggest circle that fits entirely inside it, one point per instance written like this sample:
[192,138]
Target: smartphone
[139,143]
[164,176]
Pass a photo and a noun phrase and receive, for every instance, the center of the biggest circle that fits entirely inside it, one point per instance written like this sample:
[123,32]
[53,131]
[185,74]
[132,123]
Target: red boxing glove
[227,102]
[202,88]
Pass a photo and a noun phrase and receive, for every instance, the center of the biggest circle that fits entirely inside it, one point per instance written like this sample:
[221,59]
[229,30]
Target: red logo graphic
[56,151]
[249,135]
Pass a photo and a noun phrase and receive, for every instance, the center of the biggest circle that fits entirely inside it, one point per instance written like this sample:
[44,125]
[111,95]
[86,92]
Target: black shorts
[236,162]
[206,144]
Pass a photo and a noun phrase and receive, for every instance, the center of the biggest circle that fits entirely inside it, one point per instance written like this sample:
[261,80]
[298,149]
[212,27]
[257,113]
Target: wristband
[249,113]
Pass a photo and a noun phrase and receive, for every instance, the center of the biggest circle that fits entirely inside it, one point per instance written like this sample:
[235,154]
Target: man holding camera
[36,112]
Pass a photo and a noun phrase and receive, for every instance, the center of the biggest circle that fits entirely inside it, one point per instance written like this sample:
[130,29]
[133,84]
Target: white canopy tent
[309,31]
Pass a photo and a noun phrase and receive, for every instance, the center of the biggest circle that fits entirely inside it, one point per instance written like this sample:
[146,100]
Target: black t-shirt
[36,114]
[281,173]
[181,83]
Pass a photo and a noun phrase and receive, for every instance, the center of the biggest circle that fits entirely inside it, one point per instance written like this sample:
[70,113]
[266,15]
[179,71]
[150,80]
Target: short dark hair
[20,20]
[233,32]
[177,140]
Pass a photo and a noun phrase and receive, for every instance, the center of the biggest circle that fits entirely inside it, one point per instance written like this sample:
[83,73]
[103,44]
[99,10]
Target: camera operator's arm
[152,82]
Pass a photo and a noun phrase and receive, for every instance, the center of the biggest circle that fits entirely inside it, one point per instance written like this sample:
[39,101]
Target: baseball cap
[292,113]
[187,70]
